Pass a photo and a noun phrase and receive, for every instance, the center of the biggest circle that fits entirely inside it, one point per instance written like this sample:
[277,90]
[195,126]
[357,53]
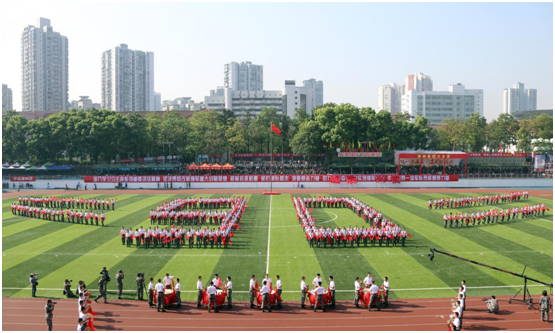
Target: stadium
[277,210]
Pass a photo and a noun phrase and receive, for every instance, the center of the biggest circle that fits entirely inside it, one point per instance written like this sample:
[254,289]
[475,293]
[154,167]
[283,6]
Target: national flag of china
[275,129]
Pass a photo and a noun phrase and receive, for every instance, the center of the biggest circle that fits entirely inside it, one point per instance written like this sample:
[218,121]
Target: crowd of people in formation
[79,203]
[493,215]
[382,231]
[193,211]
[458,306]
[60,215]
[462,202]
[218,236]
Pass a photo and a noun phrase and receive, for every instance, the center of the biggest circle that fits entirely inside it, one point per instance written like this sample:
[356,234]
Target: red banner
[251,155]
[439,155]
[496,155]
[23,178]
[267,178]
[360,154]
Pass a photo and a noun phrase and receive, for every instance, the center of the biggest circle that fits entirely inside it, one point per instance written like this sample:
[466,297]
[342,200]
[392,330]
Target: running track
[419,314]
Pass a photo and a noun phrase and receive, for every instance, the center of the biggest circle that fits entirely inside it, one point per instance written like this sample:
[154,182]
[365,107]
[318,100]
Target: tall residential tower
[519,99]
[127,80]
[44,68]
[244,76]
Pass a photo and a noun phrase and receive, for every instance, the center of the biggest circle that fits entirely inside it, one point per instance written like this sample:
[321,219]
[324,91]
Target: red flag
[275,129]
[500,148]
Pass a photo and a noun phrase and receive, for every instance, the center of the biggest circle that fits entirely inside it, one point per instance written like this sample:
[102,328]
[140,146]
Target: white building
[285,101]
[458,102]
[318,87]
[390,97]
[157,101]
[419,82]
[84,103]
[7,99]
[244,76]
[127,80]
[44,68]
[182,104]
[519,99]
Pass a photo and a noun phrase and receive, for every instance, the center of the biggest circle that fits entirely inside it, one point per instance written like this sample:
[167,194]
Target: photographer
[33,280]
[67,289]
[140,286]
[493,306]
[49,315]
[119,282]
[104,272]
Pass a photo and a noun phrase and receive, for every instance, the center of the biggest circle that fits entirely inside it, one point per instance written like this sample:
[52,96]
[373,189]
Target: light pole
[169,143]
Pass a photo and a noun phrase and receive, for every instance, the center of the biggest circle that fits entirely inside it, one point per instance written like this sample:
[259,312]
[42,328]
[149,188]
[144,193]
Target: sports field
[271,239]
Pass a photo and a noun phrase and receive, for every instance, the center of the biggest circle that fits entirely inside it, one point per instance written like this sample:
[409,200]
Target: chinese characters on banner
[267,178]
[23,178]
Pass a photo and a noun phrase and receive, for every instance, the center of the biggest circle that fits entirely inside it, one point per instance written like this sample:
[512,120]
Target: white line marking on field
[269,228]
[152,253]
[296,291]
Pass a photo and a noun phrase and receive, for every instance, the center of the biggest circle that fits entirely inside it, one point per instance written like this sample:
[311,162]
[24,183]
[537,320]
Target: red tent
[216,166]
[228,167]
[193,167]
[205,167]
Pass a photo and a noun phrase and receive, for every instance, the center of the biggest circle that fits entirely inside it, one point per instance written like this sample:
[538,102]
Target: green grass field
[57,251]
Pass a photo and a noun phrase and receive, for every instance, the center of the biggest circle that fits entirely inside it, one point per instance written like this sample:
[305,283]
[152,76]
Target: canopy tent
[42,168]
[228,167]
[151,165]
[54,168]
[22,168]
[101,167]
[65,167]
[49,164]
[32,168]
[193,167]
[205,167]
[16,165]
[167,166]
[117,166]
[6,165]
[26,165]
[134,166]
[216,166]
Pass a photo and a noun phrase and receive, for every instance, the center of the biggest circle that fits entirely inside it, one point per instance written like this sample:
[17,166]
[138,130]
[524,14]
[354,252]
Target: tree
[502,132]
[474,133]
[308,140]
[14,129]
[206,134]
[540,127]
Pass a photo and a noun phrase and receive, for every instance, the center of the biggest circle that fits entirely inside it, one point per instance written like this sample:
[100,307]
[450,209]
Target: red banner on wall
[23,178]
[496,155]
[267,178]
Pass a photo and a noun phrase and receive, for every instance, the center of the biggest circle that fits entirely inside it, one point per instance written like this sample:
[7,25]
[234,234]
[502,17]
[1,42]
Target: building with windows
[127,80]
[419,82]
[318,87]
[84,103]
[44,68]
[518,98]
[285,101]
[457,102]
[157,101]
[390,97]
[244,76]
[182,104]
[7,99]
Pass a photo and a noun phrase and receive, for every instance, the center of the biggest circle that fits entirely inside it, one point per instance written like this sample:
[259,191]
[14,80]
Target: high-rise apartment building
[44,68]
[7,99]
[390,97]
[318,95]
[127,80]
[157,101]
[419,82]
[244,76]
[518,98]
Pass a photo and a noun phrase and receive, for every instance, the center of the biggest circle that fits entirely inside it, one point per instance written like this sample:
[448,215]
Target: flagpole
[271,162]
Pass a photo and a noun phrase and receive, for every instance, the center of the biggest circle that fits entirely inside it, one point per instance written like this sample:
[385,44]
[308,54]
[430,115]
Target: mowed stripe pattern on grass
[78,252]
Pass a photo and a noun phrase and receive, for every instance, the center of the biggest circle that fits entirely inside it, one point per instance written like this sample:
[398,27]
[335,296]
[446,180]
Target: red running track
[404,315]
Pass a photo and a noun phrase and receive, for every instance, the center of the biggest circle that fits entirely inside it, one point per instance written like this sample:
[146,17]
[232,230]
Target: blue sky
[353,48]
